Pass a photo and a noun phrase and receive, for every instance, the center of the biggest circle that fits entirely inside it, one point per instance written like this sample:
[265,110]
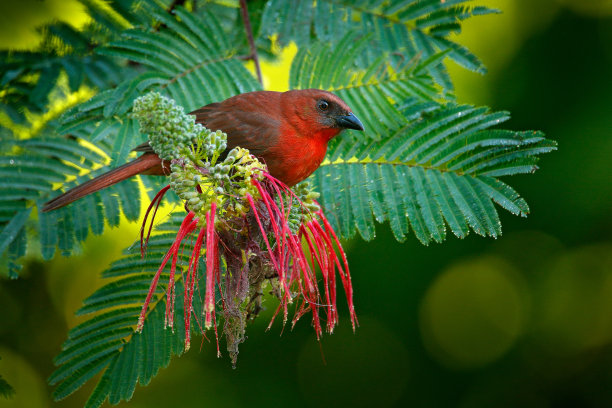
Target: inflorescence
[250,228]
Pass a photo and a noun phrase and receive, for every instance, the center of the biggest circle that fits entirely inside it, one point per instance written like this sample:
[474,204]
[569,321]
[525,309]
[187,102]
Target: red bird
[289,131]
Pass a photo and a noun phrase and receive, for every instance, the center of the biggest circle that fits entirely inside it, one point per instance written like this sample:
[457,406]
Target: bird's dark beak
[349,121]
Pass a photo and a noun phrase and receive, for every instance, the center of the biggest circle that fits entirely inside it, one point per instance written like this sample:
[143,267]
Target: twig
[249,31]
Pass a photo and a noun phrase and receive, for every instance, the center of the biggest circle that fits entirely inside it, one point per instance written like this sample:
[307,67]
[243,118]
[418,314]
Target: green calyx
[200,182]
[198,176]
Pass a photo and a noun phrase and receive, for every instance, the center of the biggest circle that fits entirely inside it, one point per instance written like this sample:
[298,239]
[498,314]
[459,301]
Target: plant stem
[249,31]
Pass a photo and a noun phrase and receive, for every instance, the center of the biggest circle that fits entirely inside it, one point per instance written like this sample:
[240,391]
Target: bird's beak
[349,121]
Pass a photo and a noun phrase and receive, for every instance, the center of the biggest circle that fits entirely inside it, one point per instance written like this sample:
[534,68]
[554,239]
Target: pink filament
[170,294]
[345,274]
[190,283]
[263,231]
[156,201]
[211,263]
[155,280]
[289,260]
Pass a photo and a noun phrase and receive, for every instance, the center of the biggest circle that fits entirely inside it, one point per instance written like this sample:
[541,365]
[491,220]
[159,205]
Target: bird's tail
[147,164]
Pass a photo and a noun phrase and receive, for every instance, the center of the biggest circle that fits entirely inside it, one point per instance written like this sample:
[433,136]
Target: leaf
[11,230]
[438,169]
[406,29]
[107,341]
[124,141]
[189,58]
[425,164]
[6,390]
[30,78]
[184,61]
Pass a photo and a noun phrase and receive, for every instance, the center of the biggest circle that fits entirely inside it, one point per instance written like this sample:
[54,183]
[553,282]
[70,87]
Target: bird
[289,131]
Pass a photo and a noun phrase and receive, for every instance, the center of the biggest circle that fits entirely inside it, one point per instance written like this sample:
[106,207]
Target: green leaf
[425,163]
[12,229]
[107,341]
[407,29]
[124,141]
[6,390]
[438,169]
[373,93]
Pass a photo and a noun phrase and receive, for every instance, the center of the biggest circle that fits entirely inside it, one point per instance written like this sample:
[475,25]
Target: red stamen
[170,293]
[302,260]
[158,198]
[346,279]
[190,282]
[209,299]
[155,280]
[267,199]
[327,273]
[263,231]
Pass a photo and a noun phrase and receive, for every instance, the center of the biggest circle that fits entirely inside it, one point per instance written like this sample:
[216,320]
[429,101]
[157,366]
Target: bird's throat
[297,159]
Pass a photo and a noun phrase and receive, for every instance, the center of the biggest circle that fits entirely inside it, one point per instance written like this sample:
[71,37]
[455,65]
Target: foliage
[29,78]
[109,342]
[425,162]
[6,390]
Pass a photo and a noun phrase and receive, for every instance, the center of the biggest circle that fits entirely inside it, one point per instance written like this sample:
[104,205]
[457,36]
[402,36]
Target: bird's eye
[323,106]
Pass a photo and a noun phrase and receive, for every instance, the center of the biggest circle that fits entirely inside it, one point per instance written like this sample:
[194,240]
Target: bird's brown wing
[245,128]
[245,125]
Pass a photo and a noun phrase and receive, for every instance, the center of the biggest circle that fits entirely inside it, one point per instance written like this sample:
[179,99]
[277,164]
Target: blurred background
[524,320]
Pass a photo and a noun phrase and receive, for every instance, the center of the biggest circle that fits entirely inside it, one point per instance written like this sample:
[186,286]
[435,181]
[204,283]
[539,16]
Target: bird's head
[319,113]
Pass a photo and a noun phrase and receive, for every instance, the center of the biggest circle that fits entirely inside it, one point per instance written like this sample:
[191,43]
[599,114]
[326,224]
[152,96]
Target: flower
[250,228]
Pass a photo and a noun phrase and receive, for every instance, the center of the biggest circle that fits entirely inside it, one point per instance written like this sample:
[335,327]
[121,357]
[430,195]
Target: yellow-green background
[524,320]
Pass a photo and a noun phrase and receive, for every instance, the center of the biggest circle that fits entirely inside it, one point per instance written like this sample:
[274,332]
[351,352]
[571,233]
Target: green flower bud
[189,194]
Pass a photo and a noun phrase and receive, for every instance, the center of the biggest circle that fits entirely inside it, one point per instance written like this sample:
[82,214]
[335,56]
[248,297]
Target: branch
[249,31]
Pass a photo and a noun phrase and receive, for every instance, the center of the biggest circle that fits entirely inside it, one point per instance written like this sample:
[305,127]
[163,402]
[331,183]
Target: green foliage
[445,162]
[28,78]
[402,29]
[180,65]
[6,390]
[424,164]
[372,92]
[29,177]
[443,156]
[108,342]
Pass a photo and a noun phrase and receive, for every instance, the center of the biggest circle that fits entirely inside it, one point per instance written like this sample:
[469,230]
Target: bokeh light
[575,309]
[474,312]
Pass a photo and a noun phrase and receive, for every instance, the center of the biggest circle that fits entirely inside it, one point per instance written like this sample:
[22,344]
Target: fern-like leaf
[405,29]
[441,168]
[425,164]
[108,342]
[369,91]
